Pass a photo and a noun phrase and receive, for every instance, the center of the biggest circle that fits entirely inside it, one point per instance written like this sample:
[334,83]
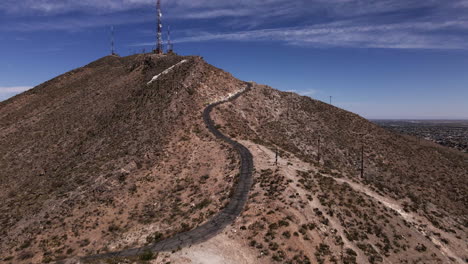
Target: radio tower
[159,45]
[170,48]
[112,41]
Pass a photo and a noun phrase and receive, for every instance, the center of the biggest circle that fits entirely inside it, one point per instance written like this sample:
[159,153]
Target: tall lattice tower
[159,44]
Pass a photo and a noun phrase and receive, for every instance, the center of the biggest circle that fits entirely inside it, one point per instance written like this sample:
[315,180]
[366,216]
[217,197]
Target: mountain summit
[118,155]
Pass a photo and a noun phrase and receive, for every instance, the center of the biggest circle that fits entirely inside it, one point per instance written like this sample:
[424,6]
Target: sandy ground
[221,249]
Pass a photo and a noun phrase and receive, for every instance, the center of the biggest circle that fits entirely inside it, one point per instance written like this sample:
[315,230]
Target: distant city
[449,133]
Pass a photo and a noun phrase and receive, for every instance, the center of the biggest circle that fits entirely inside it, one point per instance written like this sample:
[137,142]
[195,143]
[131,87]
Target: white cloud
[346,34]
[13,89]
[108,6]
[308,92]
[73,24]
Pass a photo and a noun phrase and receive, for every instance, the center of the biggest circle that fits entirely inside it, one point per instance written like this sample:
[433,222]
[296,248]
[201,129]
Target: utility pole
[318,149]
[170,48]
[362,158]
[159,44]
[330,99]
[276,156]
[112,41]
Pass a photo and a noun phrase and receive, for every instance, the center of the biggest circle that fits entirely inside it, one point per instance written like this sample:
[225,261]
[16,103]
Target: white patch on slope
[228,96]
[166,71]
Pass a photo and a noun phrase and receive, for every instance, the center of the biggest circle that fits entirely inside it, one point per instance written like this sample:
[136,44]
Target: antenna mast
[159,46]
[170,48]
[112,41]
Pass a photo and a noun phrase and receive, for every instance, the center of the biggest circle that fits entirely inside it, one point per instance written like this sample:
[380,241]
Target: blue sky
[380,59]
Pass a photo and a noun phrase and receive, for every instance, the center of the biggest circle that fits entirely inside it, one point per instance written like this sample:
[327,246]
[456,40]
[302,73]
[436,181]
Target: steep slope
[410,207]
[98,159]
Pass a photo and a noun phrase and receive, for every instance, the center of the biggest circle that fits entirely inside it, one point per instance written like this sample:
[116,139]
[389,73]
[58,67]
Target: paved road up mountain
[224,218]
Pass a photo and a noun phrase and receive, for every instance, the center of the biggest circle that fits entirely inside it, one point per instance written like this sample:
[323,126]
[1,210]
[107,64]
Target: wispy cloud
[416,35]
[306,92]
[13,89]
[409,24]
[73,23]
[221,8]
[187,8]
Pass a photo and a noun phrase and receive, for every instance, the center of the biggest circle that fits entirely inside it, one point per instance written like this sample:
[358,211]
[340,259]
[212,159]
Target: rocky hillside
[101,159]
[98,159]
[410,206]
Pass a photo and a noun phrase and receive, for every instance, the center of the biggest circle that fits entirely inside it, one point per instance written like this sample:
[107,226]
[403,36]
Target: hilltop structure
[159,45]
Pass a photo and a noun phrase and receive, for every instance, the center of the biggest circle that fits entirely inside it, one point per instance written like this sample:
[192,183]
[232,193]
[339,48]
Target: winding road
[223,218]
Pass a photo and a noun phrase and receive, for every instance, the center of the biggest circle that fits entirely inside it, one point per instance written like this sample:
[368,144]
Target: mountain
[117,155]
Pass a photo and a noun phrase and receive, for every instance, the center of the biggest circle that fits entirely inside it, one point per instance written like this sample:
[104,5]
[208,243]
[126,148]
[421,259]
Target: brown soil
[97,160]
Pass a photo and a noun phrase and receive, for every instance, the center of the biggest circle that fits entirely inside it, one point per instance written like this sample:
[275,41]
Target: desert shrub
[349,257]
[273,226]
[323,249]
[303,229]
[26,244]
[252,243]
[154,238]
[47,259]
[146,255]
[283,223]
[203,204]
[122,177]
[273,246]
[25,255]
[421,248]
[204,178]
[184,227]
[113,228]
[84,243]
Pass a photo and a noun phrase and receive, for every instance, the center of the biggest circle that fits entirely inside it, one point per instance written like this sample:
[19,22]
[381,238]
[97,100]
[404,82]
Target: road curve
[223,218]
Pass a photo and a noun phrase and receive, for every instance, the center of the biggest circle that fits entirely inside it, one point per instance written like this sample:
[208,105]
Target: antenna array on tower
[159,44]
[159,48]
